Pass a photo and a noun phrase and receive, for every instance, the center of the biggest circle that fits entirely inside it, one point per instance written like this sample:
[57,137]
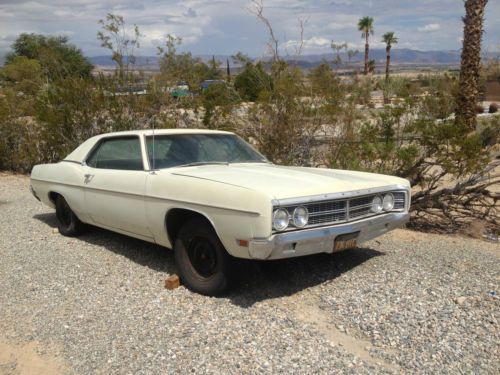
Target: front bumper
[321,240]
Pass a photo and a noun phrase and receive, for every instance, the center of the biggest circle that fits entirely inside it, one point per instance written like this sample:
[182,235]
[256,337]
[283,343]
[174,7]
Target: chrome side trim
[72,161]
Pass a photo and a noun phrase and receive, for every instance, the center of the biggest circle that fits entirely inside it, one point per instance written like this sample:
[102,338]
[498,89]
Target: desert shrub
[438,96]
[252,81]
[448,166]
[281,124]
[178,67]
[57,57]
[321,78]
[218,101]
[19,144]
[493,108]
[489,131]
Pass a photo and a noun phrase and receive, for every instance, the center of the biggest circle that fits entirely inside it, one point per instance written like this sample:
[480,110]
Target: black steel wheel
[203,263]
[203,256]
[67,222]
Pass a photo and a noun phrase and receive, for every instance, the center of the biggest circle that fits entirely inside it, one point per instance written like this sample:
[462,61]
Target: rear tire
[67,222]
[203,263]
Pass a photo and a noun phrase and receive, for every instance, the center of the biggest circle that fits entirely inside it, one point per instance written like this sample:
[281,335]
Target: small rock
[172,282]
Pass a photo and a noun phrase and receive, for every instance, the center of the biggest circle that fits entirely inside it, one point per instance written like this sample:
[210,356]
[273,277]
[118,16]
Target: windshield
[197,149]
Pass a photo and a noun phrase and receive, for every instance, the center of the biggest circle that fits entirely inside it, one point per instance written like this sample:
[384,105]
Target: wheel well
[53,196]
[177,217]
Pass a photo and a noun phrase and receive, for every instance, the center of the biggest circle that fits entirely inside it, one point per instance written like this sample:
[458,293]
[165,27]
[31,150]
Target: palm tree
[471,63]
[338,47]
[371,66]
[389,39]
[365,25]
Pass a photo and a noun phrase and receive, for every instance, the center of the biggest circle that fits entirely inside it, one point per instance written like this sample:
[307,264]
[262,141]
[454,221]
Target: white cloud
[313,44]
[430,27]
[226,26]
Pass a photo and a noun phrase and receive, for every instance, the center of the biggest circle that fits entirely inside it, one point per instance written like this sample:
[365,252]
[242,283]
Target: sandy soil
[29,359]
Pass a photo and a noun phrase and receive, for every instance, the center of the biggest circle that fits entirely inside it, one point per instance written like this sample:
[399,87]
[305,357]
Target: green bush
[57,57]
[252,81]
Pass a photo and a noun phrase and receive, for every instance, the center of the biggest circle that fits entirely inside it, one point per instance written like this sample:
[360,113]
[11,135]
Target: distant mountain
[401,56]
[107,61]
[397,56]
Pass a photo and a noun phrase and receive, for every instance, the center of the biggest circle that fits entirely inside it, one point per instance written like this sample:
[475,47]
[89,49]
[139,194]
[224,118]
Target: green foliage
[183,67]
[23,75]
[323,80]
[440,92]
[365,25]
[219,99]
[57,58]
[252,81]
[114,36]
[389,39]
[283,125]
[405,141]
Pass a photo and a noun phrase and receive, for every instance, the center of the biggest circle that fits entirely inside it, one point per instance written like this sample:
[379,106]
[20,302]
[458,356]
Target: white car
[211,197]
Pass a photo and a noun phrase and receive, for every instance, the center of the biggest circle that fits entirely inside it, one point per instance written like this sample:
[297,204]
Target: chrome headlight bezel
[300,216]
[285,219]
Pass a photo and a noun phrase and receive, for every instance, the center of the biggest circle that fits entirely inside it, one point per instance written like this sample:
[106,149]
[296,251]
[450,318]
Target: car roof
[80,153]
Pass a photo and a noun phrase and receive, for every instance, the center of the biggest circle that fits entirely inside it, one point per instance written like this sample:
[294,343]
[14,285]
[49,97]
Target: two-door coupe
[211,197]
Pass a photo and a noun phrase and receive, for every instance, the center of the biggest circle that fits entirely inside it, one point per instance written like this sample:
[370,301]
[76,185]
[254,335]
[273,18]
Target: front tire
[67,222]
[203,264]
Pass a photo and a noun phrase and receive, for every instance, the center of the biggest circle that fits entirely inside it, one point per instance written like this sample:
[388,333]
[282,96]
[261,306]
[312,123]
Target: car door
[114,185]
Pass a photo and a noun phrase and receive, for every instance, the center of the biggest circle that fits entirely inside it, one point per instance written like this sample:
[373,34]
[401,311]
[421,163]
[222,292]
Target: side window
[117,153]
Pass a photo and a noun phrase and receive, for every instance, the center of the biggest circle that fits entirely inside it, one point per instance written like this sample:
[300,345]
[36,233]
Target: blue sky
[225,27]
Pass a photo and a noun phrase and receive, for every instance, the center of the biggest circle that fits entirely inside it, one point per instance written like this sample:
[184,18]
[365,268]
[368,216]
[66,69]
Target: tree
[371,66]
[351,53]
[389,39]
[178,67]
[214,68]
[257,8]
[57,58]
[470,63]
[323,80]
[114,37]
[252,81]
[365,25]
[218,101]
[24,75]
[337,47]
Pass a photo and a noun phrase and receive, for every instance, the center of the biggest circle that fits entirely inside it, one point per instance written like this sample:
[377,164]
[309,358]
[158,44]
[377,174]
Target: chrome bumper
[321,240]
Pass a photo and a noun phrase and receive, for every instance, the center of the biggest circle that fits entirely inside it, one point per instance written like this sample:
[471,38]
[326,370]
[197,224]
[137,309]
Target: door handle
[88,178]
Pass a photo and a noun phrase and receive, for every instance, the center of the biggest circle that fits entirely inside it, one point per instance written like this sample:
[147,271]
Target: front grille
[399,200]
[343,210]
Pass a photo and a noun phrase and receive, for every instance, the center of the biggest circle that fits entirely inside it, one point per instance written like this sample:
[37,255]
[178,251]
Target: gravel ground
[405,303]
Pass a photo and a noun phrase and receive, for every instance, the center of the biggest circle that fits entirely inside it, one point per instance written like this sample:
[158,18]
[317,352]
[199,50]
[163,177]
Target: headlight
[280,219]
[300,216]
[377,204]
[388,203]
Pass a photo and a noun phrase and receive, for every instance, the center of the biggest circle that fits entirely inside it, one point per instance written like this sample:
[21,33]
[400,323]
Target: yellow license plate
[345,241]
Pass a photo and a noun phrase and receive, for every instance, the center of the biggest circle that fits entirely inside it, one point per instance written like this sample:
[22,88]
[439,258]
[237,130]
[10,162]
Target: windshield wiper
[202,163]
[251,161]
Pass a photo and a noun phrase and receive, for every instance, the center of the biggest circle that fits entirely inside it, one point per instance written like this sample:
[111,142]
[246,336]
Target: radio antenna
[153,156]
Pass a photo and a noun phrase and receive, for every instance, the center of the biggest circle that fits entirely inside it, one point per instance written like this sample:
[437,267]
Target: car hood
[281,182]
